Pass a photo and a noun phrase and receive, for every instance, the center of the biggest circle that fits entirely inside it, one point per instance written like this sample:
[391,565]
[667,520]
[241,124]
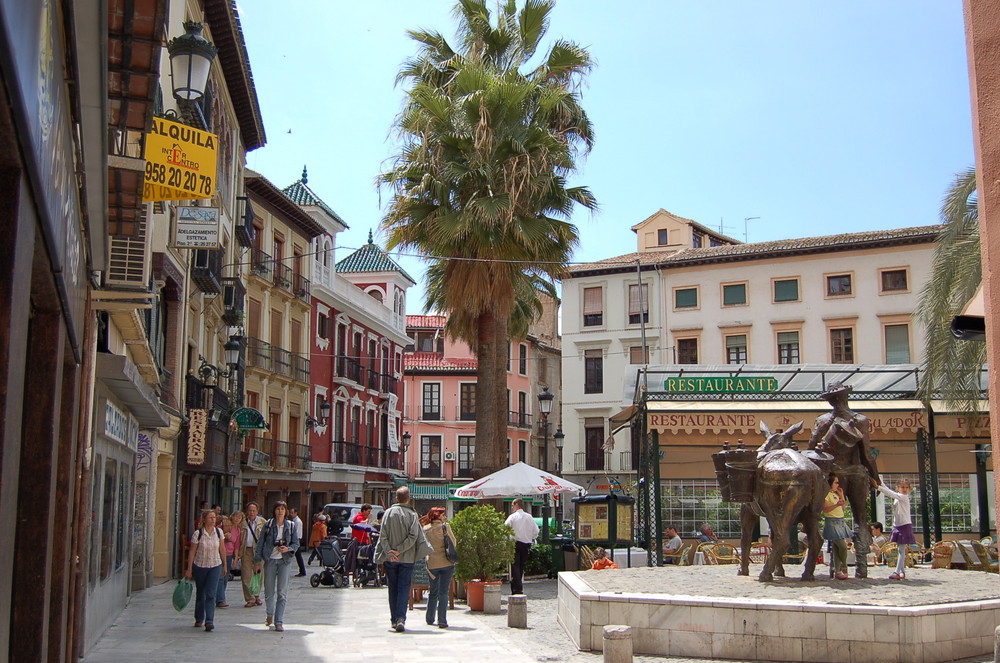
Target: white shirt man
[525,531]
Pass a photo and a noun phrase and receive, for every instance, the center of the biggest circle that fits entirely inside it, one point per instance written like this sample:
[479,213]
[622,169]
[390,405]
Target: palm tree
[953,368]
[479,186]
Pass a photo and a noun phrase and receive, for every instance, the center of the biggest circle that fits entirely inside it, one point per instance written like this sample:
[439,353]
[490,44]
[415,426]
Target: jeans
[398,576]
[517,568]
[206,582]
[220,594]
[440,587]
[276,572]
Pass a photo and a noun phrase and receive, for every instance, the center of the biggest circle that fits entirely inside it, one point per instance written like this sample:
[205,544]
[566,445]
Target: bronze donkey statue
[789,489]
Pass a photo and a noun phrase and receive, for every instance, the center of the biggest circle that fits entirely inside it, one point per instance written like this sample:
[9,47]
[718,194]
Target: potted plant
[485,548]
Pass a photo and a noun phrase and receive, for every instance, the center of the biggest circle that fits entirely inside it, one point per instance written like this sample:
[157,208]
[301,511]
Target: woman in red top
[362,517]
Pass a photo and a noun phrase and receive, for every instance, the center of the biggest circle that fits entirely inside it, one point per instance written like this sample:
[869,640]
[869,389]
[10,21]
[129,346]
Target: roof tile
[371,258]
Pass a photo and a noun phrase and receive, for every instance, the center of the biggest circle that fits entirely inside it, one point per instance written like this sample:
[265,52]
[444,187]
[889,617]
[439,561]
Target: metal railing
[277,454]
[584,462]
[517,419]
[301,287]
[282,275]
[263,355]
[352,453]
[260,263]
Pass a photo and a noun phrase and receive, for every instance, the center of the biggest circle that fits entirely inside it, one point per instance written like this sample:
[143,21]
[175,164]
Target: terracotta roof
[300,192]
[763,250]
[227,35]
[371,258]
[293,214]
[432,321]
[435,362]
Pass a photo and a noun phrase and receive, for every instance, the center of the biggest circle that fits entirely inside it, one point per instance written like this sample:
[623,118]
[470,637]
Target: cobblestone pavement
[349,625]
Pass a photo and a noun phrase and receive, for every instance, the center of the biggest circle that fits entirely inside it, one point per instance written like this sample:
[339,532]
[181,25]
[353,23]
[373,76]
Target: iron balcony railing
[517,419]
[301,287]
[588,462]
[263,355]
[282,275]
[353,453]
[260,263]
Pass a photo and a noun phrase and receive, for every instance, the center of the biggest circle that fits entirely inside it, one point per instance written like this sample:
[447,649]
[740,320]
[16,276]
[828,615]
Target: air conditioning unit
[449,455]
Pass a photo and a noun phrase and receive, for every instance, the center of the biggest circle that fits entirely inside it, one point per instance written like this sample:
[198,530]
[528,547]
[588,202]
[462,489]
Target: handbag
[449,548]
[182,594]
[255,582]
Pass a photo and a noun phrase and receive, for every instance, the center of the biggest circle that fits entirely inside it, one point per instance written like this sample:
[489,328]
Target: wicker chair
[680,558]
[972,562]
[708,550]
[726,554]
[984,557]
[941,553]
[759,552]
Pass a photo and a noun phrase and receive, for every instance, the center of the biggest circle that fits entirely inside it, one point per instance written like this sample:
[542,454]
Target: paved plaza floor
[348,625]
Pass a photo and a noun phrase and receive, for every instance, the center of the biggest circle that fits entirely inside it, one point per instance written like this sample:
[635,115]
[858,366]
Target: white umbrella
[518,480]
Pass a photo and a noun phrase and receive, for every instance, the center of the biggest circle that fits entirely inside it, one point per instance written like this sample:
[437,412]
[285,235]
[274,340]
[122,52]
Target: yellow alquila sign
[180,162]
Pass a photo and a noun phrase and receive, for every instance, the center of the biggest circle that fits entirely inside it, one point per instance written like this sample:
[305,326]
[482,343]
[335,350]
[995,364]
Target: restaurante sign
[720,385]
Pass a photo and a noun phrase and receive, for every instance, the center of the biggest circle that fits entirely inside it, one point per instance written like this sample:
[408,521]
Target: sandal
[258,602]
[897,576]
[250,604]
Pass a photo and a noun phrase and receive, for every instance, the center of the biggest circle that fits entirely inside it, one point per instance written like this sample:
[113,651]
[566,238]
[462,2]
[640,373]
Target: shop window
[97,482]
[955,499]
[687,503]
[110,492]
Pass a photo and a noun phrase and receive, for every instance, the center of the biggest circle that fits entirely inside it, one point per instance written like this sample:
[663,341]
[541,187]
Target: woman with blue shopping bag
[275,552]
[206,563]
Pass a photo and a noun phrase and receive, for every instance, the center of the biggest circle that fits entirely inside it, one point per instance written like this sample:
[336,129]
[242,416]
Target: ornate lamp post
[545,407]
[559,437]
[191,57]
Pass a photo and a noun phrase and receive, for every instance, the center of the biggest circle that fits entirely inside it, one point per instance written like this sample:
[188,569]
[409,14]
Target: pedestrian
[232,529]
[316,536]
[525,531]
[835,529]
[440,570]
[206,560]
[400,545]
[602,561]
[252,526]
[362,517]
[902,525]
[293,514]
[274,552]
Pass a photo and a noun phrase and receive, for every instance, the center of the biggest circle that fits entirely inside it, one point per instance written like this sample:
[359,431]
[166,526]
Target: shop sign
[197,228]
[258,459]
[720,385]
[247,418]
[882,425]
[120,426]
[197,429]
[180,162]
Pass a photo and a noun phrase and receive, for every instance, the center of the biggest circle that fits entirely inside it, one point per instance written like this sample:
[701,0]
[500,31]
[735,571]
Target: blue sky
[816,117]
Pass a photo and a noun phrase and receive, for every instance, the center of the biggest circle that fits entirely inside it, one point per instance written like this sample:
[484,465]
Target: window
[638,304]
[661,237]
[466,455]
[522,410]
[894,280]
[697,239]
[686,298]
[594,436]
[956,498]
[734,294]
[687,351]
[687,503]
[593,307]
[522,359]
[593,371]
[432,401]
[430,455]
[842,346]
[786,290]
[637,356]
[838,285]
[736,349]
[897,344]
[467,401]
[788,347]
[323,326]
[108,516]
[522,451]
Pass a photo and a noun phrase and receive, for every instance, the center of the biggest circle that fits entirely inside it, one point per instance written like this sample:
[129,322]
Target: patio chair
[988,541]
[759,551]
[707,549]
[941,554]
[726,554]
[972,562]
[915,555]
[680,557]
[984,556]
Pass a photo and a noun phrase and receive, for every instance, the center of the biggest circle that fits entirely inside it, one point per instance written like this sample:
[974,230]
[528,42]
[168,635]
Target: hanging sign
[180,162]
[393,432]
[197,228]
[248,418]
[196,436]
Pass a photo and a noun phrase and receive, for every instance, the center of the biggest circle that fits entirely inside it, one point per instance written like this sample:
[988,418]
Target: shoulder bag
[449,548]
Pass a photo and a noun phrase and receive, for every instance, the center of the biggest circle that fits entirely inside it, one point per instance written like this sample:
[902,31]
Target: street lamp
[191,57]
[324,411]
[232,349]
[559,437]
[545,407]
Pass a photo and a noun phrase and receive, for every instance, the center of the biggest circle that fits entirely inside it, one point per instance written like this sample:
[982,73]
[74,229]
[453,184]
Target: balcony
[352,453]
[244,229]
[592,462]
[282,275]
[389,384]
[431,471]
[204,396]
[267,357]
[349,368]
[233,300]
[374,378]
[301,286]
[260,263]
[300,368]
[626,462]
[518,419]
[265,453]
[206,270]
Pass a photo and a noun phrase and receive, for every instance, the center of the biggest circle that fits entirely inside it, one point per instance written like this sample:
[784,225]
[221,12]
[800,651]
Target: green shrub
[485,544]
[539,560]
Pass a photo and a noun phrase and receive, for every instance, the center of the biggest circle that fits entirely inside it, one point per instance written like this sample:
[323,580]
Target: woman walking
[439,569]
[232,530]
[275,552]
[902,525]
[206,561]
[835,530]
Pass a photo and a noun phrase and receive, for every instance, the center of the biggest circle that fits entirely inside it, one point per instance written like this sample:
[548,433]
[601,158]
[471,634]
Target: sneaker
[400,626]
[209,627]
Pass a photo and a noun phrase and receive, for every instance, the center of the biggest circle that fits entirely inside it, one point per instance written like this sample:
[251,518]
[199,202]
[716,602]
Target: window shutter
[592,304]
[129,258]
[638,302]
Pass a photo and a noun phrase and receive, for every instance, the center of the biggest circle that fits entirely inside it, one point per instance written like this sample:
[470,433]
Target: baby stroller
[332,559]
[366,570]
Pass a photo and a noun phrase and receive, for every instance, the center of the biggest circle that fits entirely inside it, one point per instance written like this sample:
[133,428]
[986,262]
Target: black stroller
[331,557]
[366,570]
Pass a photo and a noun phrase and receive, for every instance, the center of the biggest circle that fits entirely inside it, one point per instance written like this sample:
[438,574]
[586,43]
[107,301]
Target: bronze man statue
[845,435]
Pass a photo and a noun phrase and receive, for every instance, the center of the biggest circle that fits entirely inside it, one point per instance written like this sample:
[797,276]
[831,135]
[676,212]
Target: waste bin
[564,555]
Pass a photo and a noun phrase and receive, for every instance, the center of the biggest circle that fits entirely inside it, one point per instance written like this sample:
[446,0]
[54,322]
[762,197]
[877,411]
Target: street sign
[181,162]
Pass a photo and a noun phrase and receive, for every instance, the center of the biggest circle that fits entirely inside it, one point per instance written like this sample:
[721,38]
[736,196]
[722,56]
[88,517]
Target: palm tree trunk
[489,452]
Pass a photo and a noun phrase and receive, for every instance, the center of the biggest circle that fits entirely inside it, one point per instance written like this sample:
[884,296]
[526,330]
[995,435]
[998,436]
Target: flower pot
[474,590]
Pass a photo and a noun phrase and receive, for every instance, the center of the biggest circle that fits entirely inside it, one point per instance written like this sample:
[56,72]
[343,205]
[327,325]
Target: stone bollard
[517,611]
[491,599]
[617,643]
[996,644]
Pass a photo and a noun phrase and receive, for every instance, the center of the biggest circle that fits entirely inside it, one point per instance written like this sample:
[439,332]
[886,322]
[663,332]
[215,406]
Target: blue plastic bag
[182,594]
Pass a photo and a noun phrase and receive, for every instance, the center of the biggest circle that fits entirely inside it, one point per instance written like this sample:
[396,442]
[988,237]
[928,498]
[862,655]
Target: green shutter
[686,298]
[786,291]
[734,294]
